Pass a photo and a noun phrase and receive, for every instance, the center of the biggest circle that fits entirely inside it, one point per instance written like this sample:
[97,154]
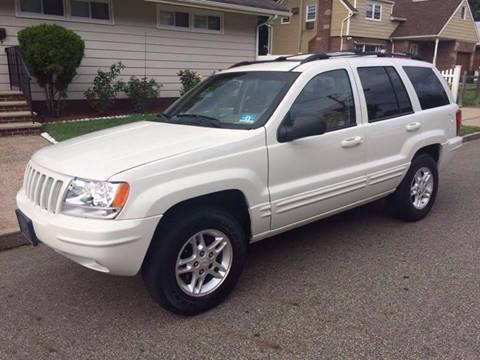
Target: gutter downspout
[350,14]
[300,26]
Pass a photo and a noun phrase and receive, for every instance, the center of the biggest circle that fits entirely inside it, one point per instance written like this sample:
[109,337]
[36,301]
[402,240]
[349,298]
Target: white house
[155,38]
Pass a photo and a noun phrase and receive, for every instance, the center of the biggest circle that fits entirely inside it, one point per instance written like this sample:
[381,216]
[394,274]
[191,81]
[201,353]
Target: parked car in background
[256,150]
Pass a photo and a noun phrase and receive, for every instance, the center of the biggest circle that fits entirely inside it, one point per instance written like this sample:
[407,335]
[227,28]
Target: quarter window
[311,13]
[385,93]
[42,7]
[374,11]
[327,97]
[428,87]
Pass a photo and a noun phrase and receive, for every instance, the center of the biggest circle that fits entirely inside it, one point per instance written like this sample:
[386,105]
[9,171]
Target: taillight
[459,121]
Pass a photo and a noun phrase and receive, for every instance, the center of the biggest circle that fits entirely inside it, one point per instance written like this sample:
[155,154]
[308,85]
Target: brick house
[441,31]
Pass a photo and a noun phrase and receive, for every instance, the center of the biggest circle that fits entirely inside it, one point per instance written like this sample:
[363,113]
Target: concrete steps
[15,115]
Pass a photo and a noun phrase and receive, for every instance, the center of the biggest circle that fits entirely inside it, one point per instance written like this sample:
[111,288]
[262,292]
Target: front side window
[43,7]
[374,11]
[311,13]
[385,93]
[327,97]
[90,9]
[428,87]
[234,100]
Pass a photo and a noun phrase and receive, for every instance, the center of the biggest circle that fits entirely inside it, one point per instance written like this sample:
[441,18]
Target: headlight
[98,199]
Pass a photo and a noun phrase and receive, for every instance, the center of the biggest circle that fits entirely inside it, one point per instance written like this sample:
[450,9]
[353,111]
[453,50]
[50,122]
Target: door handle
[352,142]
[414,126]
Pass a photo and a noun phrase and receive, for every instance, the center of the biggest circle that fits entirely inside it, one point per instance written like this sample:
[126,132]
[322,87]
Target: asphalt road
[359,285]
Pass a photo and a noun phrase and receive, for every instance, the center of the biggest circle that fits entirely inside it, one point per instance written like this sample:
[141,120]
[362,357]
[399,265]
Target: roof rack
[325,56]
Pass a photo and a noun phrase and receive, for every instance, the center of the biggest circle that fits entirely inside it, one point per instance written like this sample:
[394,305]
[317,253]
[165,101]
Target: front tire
[195,260]
[415,196]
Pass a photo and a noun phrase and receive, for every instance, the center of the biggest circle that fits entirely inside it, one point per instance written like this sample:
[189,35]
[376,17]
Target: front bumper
[116,247]
[448,149]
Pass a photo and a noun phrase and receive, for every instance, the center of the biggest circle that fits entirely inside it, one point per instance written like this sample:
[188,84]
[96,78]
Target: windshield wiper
[203,120]
[162,117]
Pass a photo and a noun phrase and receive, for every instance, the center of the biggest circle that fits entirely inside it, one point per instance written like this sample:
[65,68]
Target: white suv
[249,153]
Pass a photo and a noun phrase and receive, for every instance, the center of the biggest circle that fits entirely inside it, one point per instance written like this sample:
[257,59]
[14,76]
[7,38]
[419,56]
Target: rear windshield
[427,86]
[234,100]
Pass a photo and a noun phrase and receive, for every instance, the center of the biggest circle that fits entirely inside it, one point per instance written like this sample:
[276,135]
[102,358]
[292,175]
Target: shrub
[189,79]
[105,88]
[52,54]
[141,92]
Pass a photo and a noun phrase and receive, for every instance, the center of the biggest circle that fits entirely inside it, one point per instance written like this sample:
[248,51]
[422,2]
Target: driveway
[360,285]
[15,152]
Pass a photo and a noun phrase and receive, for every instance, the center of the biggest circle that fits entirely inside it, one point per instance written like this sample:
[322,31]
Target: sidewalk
[471,116]
[15,152]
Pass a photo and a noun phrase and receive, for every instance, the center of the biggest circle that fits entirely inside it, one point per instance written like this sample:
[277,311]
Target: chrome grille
[43,189]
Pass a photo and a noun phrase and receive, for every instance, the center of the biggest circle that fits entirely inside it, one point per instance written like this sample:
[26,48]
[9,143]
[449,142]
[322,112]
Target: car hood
[102,154]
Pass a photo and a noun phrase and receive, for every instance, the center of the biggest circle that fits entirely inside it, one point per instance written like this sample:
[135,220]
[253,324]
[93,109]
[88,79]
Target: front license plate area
[26,227]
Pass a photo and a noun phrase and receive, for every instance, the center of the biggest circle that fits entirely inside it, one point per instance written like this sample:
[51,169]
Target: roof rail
[324,56]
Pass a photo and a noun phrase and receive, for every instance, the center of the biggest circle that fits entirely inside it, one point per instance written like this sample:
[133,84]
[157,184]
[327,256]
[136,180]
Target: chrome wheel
[421,189]
[204,262]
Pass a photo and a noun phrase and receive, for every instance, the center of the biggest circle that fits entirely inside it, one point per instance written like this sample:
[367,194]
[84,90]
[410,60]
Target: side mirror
[300,127]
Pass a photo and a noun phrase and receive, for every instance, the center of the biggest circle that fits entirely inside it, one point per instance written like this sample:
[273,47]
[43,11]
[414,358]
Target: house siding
[460,29]
[141,46]
[339,13]
[360,26]
[286,36]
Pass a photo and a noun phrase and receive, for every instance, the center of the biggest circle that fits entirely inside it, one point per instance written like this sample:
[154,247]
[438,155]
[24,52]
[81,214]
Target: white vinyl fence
[452,76]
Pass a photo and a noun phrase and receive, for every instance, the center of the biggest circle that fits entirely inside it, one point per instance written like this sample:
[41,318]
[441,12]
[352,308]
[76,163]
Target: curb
[470,137]
[10,239]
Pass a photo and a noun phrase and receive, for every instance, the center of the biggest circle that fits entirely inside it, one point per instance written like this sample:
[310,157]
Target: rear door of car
[391,122]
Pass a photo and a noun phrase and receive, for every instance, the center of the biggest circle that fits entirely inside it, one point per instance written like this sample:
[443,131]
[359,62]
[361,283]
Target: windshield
[242,100]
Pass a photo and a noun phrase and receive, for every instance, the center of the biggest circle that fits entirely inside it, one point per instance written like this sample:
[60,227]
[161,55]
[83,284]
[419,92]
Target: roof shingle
[423,17]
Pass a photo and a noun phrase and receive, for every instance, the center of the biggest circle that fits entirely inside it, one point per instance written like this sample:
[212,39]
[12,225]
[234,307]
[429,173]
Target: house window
[311,14]
[42,7]
[464,13]
[76,10]
[91,9]
[370,48]
[285,20]
[172,18]
[374,11]
[413,49]
[207,22]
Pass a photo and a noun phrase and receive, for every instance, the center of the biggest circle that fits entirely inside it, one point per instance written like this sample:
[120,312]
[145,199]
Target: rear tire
[415,196]
[182,272]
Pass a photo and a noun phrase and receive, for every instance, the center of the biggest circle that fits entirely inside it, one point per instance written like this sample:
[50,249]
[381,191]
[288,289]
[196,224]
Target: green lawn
[465,130]
[67,130]
[469,95]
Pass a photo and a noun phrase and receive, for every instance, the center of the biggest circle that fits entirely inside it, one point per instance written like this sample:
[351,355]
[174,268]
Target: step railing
[20,78]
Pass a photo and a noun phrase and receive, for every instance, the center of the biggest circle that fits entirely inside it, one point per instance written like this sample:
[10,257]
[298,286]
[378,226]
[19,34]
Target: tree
[52,54]
[475,6]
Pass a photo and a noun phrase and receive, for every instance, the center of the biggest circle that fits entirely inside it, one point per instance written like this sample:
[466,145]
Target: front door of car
[313,174]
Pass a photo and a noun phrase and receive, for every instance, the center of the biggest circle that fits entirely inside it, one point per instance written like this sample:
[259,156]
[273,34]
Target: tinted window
[428,87]
[403,101]
[327,97]
[385,93]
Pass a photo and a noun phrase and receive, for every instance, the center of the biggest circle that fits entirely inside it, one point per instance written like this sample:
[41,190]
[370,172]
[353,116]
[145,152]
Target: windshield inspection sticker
[248,118]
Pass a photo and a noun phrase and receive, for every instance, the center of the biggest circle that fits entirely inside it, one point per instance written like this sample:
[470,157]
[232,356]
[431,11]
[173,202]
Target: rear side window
[384,92]
[428,87]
